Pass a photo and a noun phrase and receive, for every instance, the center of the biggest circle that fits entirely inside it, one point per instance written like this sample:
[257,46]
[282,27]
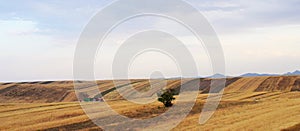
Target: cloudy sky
[38,38]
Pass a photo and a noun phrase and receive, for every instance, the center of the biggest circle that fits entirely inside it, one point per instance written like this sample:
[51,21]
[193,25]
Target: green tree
[166,98]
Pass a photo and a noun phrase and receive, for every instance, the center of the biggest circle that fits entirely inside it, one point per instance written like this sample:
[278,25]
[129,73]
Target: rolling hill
[250,103]
[63,91]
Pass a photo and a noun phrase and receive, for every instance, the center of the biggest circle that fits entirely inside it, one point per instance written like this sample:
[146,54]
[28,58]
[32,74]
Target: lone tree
[166,98]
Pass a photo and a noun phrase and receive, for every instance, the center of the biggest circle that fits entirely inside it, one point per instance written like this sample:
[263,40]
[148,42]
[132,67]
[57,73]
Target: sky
[38,38]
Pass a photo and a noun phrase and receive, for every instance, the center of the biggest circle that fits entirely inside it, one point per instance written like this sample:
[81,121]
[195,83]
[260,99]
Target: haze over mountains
[297,72]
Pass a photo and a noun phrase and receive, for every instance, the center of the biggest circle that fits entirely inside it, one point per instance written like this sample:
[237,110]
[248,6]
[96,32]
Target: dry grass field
[256,103]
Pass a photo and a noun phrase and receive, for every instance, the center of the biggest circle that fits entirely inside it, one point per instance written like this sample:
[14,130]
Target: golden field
[256,103]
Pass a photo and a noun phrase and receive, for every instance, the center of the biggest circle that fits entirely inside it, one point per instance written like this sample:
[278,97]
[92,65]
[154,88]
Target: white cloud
[269,49]
[27,54]
[229,16]
[257,36]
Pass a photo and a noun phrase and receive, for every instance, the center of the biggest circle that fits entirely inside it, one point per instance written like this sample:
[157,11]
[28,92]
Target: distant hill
[216,76]
[63,91]
[297,72]
[257,74]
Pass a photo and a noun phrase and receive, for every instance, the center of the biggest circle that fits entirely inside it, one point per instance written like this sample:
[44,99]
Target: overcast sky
[38,38]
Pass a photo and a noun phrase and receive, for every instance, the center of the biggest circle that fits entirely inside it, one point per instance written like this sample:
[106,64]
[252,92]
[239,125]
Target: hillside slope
[63,91]
[237,111]
[260,103]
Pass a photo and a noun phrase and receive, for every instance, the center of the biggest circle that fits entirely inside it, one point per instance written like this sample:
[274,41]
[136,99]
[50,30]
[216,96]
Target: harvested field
[256,103]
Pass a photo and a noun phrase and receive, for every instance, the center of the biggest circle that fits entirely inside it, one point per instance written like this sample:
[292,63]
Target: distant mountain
[297,72]
[256,74]
[217,76]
